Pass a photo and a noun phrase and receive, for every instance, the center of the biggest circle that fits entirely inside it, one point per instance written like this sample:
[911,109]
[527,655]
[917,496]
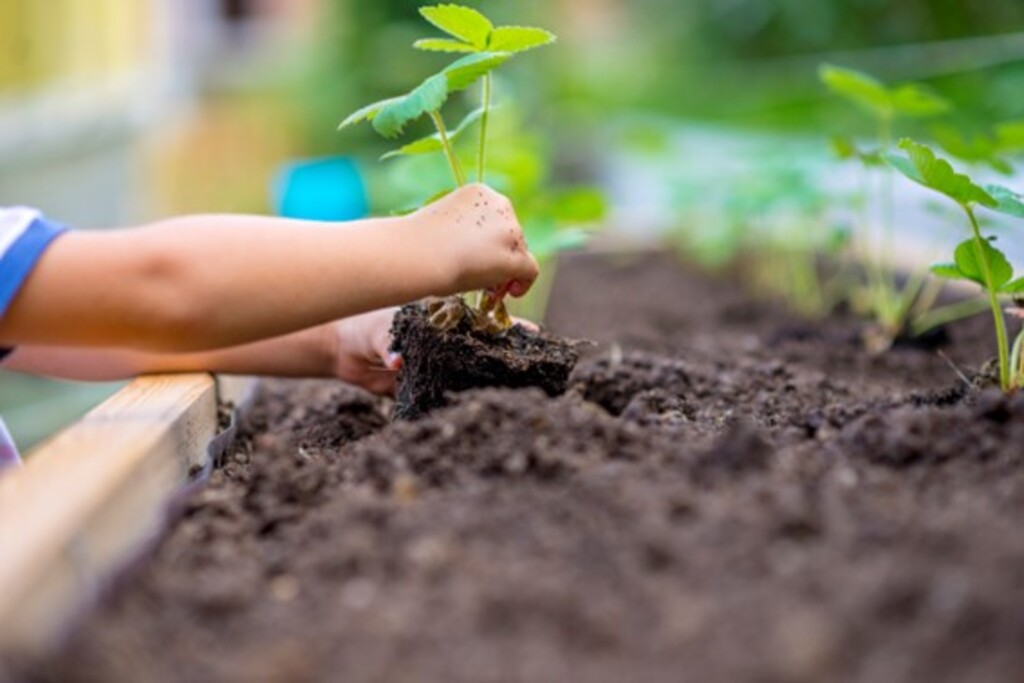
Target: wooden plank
[91,497]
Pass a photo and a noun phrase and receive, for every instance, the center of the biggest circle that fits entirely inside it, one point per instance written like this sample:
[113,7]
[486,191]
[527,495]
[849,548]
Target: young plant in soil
[446,344]
[891,304]
[975,259]
[783,214]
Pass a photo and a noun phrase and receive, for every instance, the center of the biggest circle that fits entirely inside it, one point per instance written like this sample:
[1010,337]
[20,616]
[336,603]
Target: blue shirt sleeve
[24,236]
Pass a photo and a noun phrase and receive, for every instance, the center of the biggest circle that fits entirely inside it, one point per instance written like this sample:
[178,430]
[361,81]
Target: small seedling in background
[975,259]
[891,305]
[487,48]
[779,218]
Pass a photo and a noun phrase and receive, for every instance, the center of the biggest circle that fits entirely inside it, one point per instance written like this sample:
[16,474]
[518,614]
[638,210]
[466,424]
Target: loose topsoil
[725,493]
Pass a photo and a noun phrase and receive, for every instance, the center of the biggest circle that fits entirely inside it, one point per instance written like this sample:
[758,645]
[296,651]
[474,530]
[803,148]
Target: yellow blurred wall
[47,42]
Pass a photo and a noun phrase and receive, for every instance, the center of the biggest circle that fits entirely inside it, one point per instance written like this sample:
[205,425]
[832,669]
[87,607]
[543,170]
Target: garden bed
[727,493]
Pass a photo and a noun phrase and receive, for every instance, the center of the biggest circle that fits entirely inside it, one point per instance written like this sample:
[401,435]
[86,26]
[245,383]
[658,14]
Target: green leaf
[367,113]
[923,167]
[910,99]
[1008,201]
[443,45]
[859,88]
[432,143]
[1015,287]
[464,72]
[970,265]
[915,101]
[977,149]
[1010,136]
[845,148]
[464,23]
[950,271]
[545,239]
[429,96]
[579,205]
[519,38]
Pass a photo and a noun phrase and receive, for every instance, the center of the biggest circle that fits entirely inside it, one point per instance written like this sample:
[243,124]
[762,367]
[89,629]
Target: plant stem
[446,143]
[1017,360]
[483,129]
[993,302]
[885,139]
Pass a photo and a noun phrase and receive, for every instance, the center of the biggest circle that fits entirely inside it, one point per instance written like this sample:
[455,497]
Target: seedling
[486,47]
[975,259]
[891,305]
[782,214]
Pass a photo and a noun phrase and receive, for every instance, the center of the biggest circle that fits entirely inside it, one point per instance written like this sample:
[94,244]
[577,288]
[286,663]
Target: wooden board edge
[90,497]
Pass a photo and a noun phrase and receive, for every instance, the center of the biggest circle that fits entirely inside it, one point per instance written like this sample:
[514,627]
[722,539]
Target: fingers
[527,324]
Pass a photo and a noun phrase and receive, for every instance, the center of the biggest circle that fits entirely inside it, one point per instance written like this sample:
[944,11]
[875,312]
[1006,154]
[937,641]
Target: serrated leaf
[519,38]
[915,101]
[464,72]
[443,45]
[464,23]
[1014,287]
[950,271]
[922,166]
[1007,201]
[859,88]
[432,143]
[429,96]
[367,113]
[969,263]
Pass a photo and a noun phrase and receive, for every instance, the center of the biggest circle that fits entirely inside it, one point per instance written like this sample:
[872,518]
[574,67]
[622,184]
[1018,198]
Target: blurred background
[114,112]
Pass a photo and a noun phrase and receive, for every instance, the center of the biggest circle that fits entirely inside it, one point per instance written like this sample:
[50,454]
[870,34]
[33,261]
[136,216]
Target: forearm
[308,353]
[217,281]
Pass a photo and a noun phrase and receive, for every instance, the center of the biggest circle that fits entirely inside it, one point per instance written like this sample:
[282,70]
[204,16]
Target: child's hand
[480,228]
[360,352]
[359,349]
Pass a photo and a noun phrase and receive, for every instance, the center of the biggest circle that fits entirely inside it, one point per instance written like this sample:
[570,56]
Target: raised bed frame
[92,497]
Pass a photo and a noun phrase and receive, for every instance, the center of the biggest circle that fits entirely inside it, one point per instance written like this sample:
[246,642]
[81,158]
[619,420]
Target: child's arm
[354,350]
[198,283]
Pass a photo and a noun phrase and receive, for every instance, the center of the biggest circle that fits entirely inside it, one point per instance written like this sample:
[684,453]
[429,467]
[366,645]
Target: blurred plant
[975,259]
[790,235]
[892,304]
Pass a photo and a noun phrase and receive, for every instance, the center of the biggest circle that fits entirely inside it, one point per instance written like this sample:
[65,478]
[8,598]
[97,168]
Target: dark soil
[438,363]
[726,493]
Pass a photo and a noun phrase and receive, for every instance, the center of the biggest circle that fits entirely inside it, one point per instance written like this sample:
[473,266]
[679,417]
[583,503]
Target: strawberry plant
[976,259]
[486,47]
[891,304]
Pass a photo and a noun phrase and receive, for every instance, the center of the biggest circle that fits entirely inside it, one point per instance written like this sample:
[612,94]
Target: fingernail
[393,361]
